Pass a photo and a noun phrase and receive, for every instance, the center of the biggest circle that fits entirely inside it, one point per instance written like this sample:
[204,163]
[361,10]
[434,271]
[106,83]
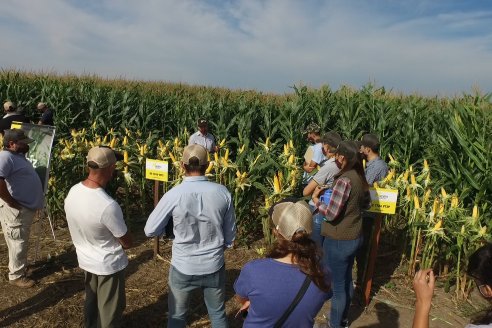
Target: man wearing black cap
[21,194]
[11,115]
[203,138]
[100,235]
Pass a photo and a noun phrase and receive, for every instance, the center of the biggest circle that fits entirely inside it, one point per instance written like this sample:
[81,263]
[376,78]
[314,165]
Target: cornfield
[444,207]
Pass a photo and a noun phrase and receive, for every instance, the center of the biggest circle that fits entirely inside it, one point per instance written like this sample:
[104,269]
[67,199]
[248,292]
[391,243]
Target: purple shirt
[271,286]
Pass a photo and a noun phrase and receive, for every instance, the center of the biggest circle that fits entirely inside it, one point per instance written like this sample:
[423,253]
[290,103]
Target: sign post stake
[156,201]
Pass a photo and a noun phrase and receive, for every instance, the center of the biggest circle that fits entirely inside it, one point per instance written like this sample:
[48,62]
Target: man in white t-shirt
[203,138]
[99,233]
[314,157]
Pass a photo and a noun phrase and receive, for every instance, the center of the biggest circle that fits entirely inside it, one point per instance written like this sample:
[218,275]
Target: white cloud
[262,44]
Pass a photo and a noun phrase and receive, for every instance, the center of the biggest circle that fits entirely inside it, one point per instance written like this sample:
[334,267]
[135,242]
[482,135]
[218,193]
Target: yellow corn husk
[416,202]
[67,143]
[74,133]
[226,156]
[286,150]
[241,150]
[291,159]
[413,181]
[405,176]
[291,144]
[238,174]
[441,209]
[173,159]
[435,206]
[482,231]
[209,168]
[443,193]
[128,132]
[426,165]
[375,184]
[112,143]
[216,157]
[392,159]
[267,202]
[176,142]
[463,230]
[222,143]
[475,212]
[454,201]
[409,192]
[161,144]
[390,175]
[427,195]
[280,178]
[208,156]
[125,141]
[267,142]
[276,184]
[411,168]
[437,226]
[105,139]
[94,125]
[125,160]
[427,180]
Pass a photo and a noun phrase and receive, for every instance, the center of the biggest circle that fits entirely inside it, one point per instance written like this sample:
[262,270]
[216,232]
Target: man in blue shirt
[314,157]
[204,226]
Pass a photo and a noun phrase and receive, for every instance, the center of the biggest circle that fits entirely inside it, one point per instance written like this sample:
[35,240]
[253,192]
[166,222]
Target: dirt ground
[58,297]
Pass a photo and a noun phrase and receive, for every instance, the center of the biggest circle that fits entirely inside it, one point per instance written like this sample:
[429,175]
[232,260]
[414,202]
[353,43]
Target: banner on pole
[383,200]
[156,170]
[40,149]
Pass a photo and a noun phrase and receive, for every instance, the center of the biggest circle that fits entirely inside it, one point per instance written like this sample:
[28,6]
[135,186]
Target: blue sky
[432,47]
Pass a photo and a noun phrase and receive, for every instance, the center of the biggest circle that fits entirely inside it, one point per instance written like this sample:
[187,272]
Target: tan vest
[348,225]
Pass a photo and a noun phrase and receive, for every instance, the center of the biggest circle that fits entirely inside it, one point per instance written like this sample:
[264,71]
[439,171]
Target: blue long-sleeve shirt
[204,224]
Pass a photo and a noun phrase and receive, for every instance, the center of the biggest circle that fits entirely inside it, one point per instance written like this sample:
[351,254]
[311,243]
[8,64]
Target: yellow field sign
[156,170]
[383,200]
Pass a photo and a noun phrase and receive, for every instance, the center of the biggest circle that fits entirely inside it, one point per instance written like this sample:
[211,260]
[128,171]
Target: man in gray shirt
[204,226]
[376,170]
[21,194]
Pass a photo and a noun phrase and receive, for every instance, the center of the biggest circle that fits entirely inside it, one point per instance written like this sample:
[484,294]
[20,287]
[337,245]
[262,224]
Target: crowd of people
[318,236]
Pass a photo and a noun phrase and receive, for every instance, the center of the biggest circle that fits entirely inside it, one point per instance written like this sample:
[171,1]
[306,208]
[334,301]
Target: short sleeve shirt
[207,141]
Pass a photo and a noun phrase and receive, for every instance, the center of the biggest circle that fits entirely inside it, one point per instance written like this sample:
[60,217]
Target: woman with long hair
[479,268]
[267,287]
[342,228]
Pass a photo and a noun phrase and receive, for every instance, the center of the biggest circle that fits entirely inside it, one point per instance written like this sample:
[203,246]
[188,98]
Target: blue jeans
[180,288]
[339,256]
[316,234]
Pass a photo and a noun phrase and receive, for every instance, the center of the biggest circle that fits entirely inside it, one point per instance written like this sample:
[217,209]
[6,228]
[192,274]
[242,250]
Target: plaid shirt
[339,197]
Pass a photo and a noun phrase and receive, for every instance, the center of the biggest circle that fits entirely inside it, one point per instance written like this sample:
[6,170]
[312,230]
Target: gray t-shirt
[22,180]
[326,174]
[479,326]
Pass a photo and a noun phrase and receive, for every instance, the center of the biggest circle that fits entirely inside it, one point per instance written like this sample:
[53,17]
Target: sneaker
[22,282]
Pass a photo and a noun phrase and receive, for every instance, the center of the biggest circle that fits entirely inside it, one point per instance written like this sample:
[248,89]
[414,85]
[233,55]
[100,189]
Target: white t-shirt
[479,326]
[95,222]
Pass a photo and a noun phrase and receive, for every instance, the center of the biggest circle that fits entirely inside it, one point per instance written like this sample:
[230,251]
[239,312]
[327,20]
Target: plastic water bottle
[325,197]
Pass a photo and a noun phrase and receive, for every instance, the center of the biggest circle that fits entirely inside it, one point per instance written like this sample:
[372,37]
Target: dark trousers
[105,299]
[362,254]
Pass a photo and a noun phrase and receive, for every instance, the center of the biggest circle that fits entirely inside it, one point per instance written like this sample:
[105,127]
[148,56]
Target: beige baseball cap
[42,105]
[9,106]
[100,157]
[197,151]
[290,217]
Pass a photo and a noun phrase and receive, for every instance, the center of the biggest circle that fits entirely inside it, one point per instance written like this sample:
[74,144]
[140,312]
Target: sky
[430,47]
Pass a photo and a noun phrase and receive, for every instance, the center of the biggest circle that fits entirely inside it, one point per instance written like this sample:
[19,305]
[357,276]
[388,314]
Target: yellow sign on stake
[156,170]
[383,200]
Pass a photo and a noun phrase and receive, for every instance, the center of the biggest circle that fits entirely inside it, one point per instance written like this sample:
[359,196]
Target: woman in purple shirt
[267,287]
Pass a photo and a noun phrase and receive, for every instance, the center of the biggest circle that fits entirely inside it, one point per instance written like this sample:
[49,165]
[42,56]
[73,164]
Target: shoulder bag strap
[294,303]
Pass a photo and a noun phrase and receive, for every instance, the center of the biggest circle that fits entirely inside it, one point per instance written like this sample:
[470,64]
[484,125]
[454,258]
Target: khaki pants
[105,300]
[16,226]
